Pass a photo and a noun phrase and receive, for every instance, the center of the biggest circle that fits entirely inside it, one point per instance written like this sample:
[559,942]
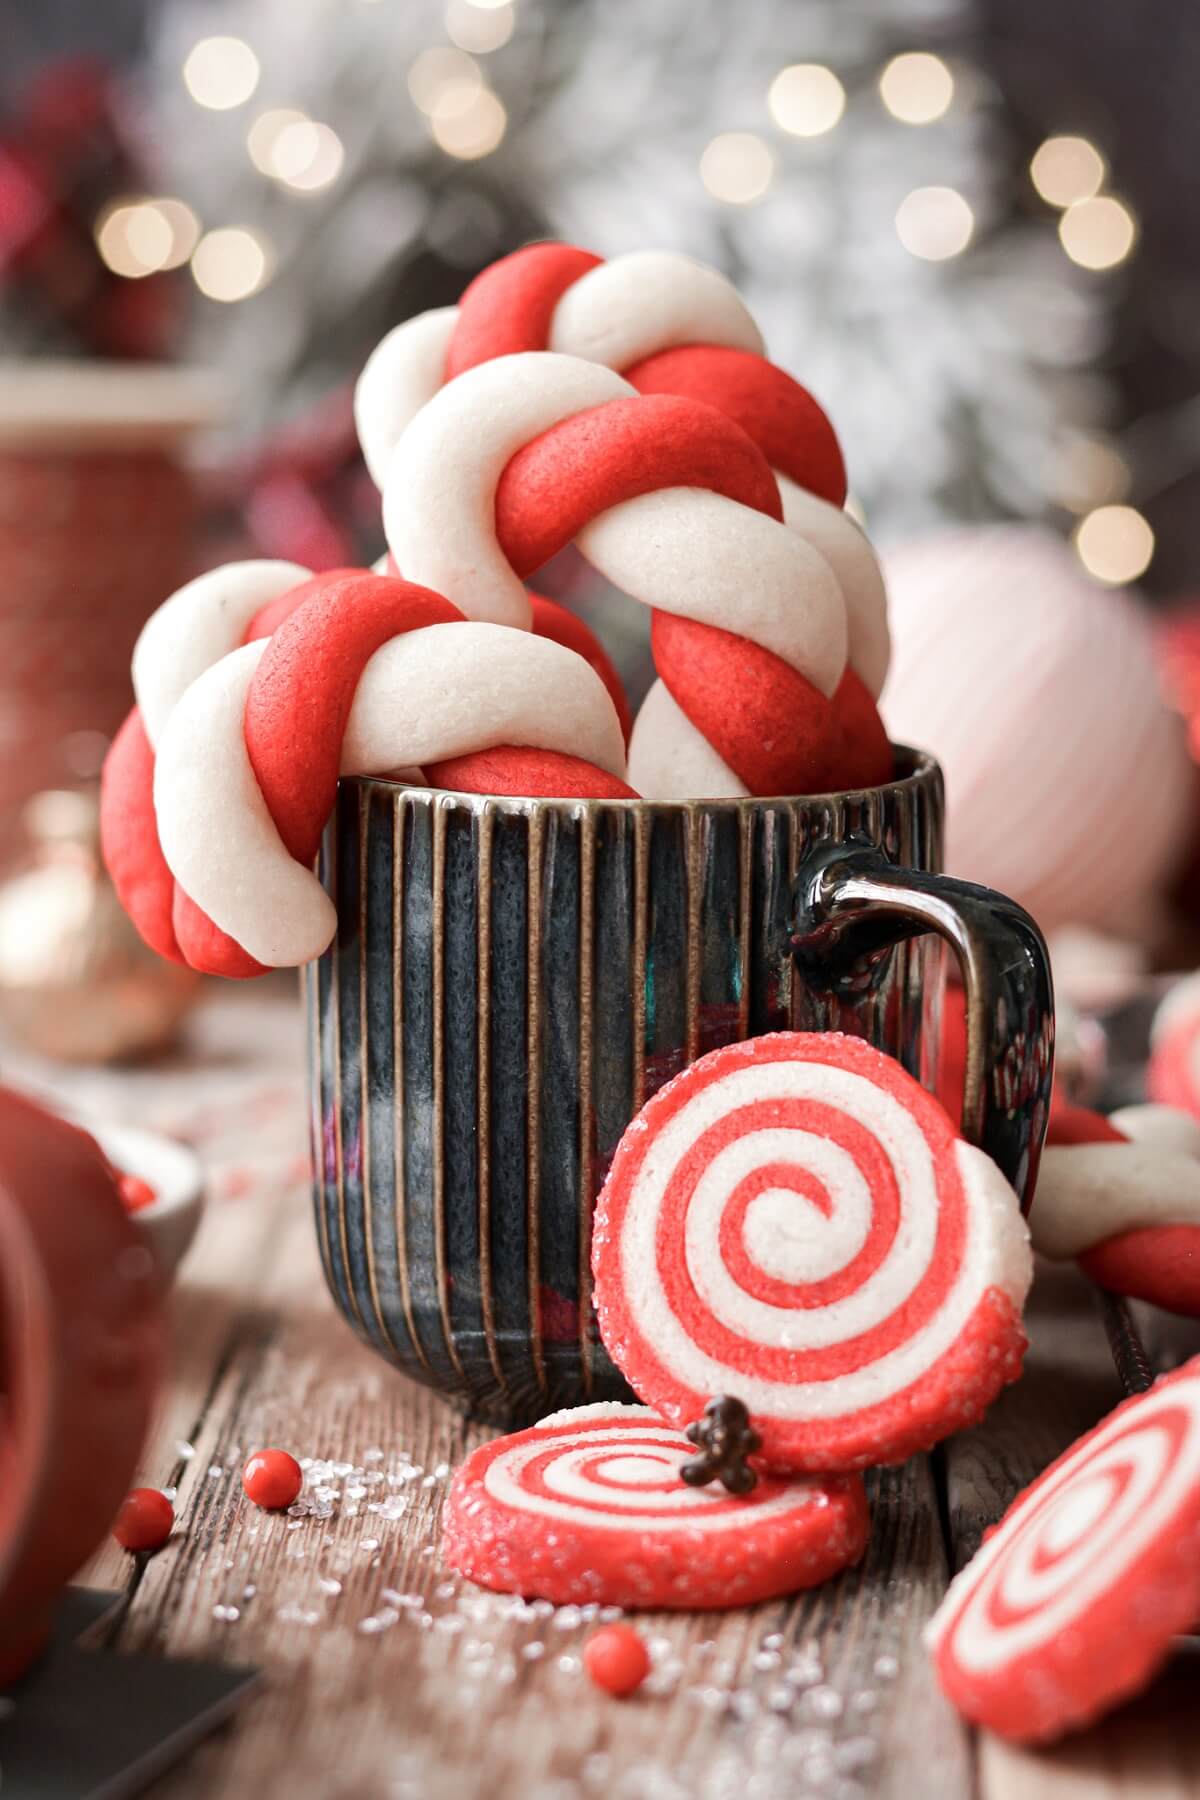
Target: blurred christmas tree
[846,161]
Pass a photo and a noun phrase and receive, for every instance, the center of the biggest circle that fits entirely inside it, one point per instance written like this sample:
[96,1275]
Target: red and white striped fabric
[795,1221]
[218,788]
[676,332]
[589,1506]
[1071,1604]
[1122,1196]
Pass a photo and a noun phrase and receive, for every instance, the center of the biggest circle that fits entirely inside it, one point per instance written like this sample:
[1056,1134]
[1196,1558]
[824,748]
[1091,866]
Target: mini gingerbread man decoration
[726,1439]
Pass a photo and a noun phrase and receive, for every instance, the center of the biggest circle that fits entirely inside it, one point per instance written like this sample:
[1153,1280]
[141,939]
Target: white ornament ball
[1068,781]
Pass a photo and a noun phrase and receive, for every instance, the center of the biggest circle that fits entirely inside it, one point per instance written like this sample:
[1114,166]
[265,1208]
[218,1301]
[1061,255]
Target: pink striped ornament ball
[1068,781]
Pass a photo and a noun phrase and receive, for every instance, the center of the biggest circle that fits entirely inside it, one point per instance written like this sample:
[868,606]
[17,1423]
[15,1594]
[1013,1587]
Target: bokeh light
[472,131]
[1115,544]
[737,167]
[1065,170]
[231,263]
[1098,233]
[479,29]
[307,156]
[143,237]
[221,72]
[1089,471]
[444,82]
[917,88]
[806,99]
[934,223]
[265,133]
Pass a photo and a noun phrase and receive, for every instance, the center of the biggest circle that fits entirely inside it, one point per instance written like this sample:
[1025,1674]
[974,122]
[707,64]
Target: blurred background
[969,225]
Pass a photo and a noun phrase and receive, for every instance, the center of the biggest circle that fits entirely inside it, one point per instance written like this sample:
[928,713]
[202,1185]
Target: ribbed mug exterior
[510,980]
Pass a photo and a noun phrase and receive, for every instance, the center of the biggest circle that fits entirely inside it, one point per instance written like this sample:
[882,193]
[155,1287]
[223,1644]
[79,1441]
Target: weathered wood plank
[450,1693]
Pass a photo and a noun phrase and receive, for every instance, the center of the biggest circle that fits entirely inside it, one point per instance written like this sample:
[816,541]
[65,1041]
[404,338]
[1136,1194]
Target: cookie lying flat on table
[589,1506]
[794,1221]
[1072,1601]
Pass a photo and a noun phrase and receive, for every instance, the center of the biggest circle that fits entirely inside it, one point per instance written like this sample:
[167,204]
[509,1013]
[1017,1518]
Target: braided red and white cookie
[1122,1196]
[673,328]
[1072,1601]
[768,658]
[1173,1072]
[795,1221]
[589,1506]
[358,676]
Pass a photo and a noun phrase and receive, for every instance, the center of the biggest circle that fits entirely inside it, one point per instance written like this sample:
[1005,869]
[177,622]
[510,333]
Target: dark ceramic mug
[511,979]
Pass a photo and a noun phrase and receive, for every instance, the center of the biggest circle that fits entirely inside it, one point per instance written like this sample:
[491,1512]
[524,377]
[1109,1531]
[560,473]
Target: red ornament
[616,1659]
[145,1521]
[272,1479]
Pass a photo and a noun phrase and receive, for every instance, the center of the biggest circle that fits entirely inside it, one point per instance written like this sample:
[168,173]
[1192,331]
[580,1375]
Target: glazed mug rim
[919,768]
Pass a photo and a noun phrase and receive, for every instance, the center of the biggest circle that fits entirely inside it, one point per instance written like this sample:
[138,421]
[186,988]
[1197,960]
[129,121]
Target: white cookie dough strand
[697,554]
[448,690]
[404,370]
[1087,1193]
[650,300]
[670,760]
[219,839]
[439,494]
[201,622]
[847,550]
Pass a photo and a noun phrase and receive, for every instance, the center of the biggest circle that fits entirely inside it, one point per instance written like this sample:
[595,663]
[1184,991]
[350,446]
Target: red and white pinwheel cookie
[1173,1073]
[769,651]
[360,674]
[589,1506]
[1122,1195]
[1072,1601]
[795,1221]
[671,328]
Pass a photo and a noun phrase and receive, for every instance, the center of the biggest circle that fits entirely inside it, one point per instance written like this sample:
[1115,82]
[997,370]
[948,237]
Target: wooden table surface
[385,1675]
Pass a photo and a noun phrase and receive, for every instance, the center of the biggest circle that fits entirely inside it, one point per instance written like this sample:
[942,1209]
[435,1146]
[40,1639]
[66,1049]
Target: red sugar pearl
[616,1659]
[272,1479]
[145,1520]
[136,1194]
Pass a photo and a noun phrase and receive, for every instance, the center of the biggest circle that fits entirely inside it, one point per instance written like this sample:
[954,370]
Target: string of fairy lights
[449,88]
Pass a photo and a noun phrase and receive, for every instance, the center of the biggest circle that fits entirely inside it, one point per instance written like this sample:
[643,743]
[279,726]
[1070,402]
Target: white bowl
[169,1223]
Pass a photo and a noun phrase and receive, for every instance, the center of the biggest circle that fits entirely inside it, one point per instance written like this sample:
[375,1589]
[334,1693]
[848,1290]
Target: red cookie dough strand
[1159,1263]
[864,755]
[558,482]
[129,838]
[509,307]
[778,737]
[788,425]
[527,774]
[1080,1125]
[299,701]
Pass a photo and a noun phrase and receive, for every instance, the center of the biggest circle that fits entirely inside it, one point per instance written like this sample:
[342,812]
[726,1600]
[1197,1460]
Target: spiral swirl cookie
[794,1221]
[1122,1195]
[769,651]
[1071,1603]
[589,1506]
[354,679]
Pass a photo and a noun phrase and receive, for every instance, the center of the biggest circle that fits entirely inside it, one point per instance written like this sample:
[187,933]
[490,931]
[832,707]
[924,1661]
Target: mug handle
[853,903]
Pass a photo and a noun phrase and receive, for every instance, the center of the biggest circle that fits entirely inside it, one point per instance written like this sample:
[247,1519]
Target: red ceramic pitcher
[81,1349]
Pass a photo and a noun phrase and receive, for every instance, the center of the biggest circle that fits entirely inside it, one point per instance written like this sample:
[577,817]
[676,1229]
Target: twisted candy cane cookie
[1122,1195]
[673,328]
[589,1506]
[674,503]
[795,1221]
[361,674]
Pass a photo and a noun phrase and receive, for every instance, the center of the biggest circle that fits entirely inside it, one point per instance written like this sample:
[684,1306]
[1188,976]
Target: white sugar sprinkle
[183,1450]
